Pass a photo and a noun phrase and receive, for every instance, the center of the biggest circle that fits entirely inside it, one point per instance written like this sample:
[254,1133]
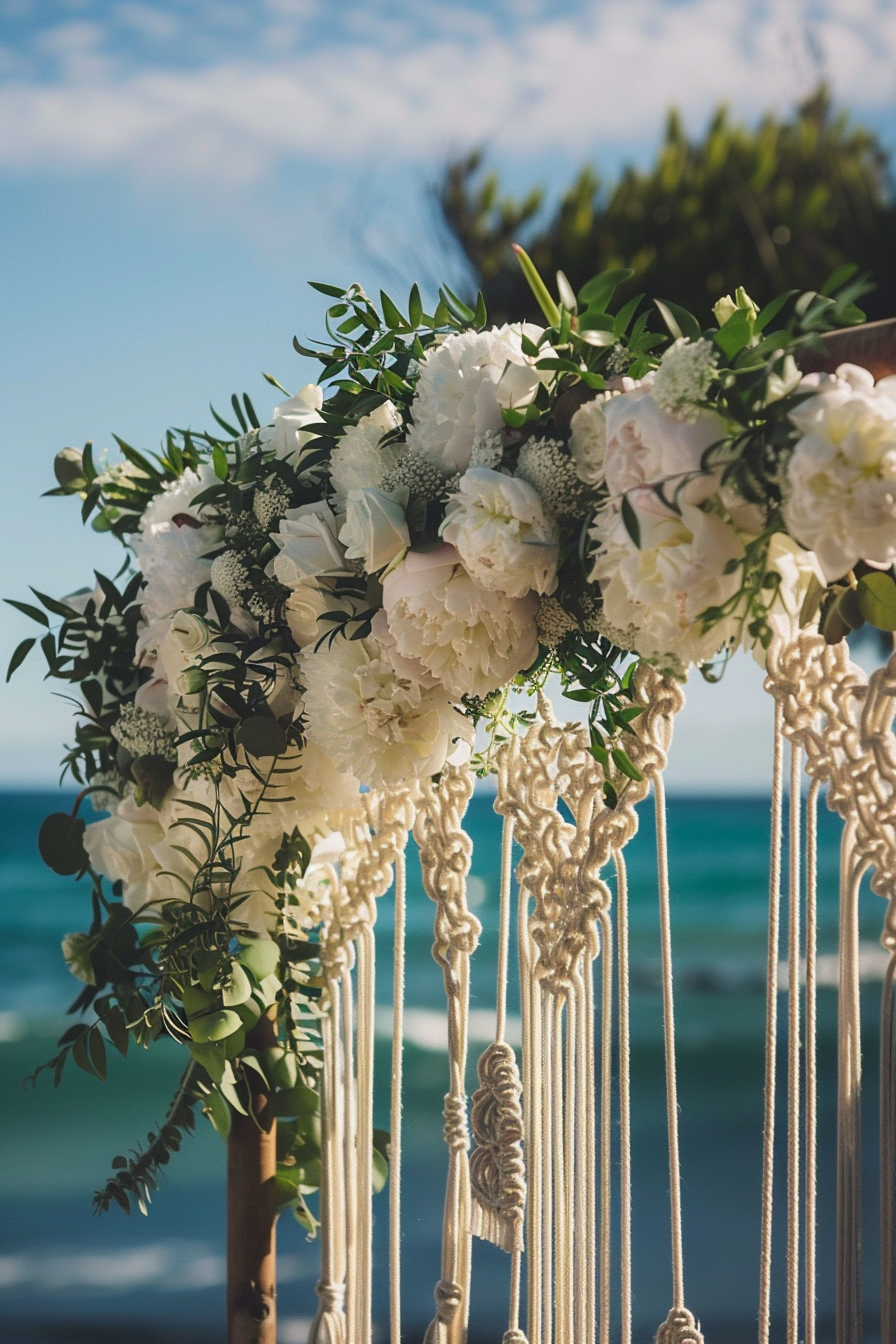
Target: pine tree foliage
[776,207]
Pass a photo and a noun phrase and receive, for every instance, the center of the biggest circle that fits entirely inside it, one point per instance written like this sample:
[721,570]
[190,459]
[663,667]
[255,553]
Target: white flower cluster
[684,377]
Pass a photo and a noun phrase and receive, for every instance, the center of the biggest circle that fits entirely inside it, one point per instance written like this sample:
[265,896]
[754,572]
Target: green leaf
[391,316]
[480,317]
[537,286]
[624,764]
[298,1100]
[380,1174]
[685,321]
[261,957]
[81,1056]
[60,841]
[630,521]
[19,656]
[839,278]
[97,1048]
[262,737]
[456,306]
[735,334]
[153,776]
[771,310]
[211,1057]
[219,463]
[34,612]
[598,292]
[218,1112]
[877,599]
[415,307]
[332,291]
[214,1025]
[57,608]
[117,1028]
[238,989]
[68,469]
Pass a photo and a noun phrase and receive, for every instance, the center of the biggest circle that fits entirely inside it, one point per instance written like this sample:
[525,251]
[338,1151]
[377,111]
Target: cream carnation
[471,639]
[308,545]
[841,478]
[370,716]
[646,446]
[172,559]
[176,499]
[662,588]
[501,533]
[359,461]
[464,383]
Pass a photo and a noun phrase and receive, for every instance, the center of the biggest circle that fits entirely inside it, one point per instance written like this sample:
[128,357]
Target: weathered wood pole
[251,1211]
[873,345]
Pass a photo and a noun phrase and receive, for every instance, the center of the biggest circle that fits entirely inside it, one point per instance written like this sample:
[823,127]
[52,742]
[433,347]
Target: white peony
[370,716]
[464,383]
[662,588]
[798,571]
[375,528]
[359,461]
[288,436]
[120,847]
[501,532]
[647,446]
[471,639]
[588,441]
[309,548]
[841,478]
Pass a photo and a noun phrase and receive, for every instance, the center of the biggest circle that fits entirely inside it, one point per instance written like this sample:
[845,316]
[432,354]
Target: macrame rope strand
[811,1056]
[793,1050]
[395,1109]
[669,1043]
[771,1028]
[625,1124]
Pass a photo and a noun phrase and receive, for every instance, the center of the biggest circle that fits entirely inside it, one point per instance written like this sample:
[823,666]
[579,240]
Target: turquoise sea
[68,1276]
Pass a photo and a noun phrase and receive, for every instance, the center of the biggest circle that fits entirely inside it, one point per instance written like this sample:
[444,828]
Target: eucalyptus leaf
[60,841]
[877,599]
[262,736]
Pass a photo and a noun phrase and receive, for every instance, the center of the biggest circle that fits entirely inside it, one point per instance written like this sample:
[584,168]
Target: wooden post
[873,345]
[251,1211]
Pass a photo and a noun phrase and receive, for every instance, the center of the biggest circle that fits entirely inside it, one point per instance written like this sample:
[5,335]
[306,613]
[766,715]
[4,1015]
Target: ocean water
[65,1275]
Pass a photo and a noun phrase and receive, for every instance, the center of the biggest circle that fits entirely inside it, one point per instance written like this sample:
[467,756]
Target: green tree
[771,208]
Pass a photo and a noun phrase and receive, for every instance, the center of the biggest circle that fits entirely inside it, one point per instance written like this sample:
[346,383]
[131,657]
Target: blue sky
[172,173]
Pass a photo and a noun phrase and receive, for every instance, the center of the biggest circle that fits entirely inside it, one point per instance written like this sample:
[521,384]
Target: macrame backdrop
[529,1155]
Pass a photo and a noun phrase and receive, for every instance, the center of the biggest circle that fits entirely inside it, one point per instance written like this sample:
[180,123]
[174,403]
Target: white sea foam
[165,1266]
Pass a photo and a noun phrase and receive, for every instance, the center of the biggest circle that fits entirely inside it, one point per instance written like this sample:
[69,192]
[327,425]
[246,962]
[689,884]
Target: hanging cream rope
[625,1122]
[843,721]
[811,1057]
[794,898]
[395,1107]
[445,851]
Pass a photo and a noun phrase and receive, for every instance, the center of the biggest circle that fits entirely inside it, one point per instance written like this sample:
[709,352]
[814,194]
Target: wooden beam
[251,1211]
[872,345]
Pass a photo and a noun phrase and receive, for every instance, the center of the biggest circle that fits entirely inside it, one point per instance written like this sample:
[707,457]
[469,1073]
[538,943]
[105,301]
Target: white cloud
[541,85]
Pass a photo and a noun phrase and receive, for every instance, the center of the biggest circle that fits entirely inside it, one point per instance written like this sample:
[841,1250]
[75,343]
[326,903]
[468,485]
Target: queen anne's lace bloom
[684,377]
[841,478]
[415,473]
[270,504]
[551,472]
[388,721]
[143,734]
[554,622]
[471,639]
[230,577]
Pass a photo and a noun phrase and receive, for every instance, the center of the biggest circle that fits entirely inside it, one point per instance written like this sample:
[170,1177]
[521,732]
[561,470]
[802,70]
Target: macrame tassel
[679,1327]
[497,1169]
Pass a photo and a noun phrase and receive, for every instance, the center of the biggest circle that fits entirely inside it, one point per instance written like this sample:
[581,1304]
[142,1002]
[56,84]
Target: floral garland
[335,601]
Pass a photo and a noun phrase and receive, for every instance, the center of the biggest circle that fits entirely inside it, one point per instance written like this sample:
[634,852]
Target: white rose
[372,718]
[499,528]
[841,478]
[359,461]
[288,437]
[375,529]
[646,446]
[305,605]
[799,571]
[661,589]
[308,545]
[464,382]
[471,639]
[588,441]
[781,384]
[120,848]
